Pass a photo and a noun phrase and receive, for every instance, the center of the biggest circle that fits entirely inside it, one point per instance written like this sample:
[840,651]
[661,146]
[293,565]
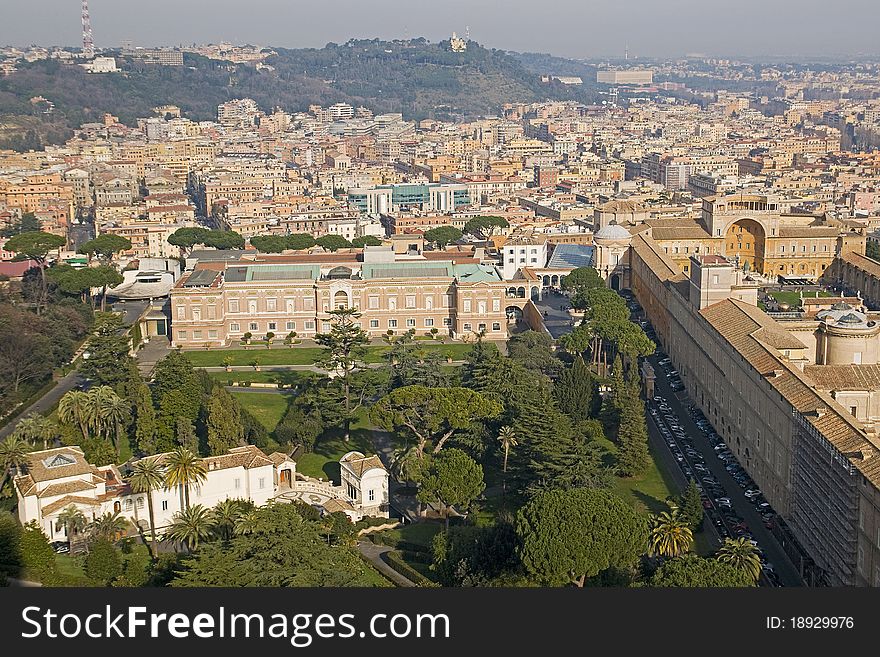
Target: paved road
[788,574]
[557,321]
[375,555]
[79,233]
[47,401]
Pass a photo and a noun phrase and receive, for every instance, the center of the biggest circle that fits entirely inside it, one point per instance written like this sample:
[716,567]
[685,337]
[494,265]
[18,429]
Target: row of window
[261,485]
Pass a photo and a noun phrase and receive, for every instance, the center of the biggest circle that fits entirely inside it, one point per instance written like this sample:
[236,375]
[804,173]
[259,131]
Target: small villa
[55,479]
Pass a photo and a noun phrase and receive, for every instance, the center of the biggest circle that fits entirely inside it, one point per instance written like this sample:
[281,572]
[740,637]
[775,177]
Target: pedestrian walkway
[374,554]
[46,402]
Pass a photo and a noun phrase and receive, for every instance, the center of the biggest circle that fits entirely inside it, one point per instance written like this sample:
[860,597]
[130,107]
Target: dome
[850,318]
[613,231]
[841,306]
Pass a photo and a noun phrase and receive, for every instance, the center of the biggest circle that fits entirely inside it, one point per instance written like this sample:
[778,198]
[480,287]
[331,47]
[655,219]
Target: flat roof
[571,255]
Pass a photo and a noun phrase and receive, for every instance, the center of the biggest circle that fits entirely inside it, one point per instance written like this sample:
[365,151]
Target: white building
[55,479]
[101,65]
[523,251]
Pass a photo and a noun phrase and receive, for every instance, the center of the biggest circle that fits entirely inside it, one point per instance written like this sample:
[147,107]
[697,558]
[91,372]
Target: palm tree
[146,477]
[114,412]
[670,535]
[191,526]
[226,514]
[507,438]
[35,428]
[97,400]
[184,468]
[741,554]
[109,526]
[13,457]
[246,523]
[73,521]
[72,409]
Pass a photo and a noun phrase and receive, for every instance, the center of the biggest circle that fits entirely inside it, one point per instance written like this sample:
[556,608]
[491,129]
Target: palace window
[233,305]
[253,326]
[291,326]
[234,327]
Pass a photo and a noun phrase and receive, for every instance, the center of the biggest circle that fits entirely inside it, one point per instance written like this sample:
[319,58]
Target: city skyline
[645,29]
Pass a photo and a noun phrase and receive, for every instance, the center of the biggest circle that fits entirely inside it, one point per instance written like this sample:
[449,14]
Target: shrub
[395,560]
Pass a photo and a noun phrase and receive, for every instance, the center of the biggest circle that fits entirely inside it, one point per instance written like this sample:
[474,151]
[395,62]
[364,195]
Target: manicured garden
[284,377]
[305,355]
[323,460]
[267,407]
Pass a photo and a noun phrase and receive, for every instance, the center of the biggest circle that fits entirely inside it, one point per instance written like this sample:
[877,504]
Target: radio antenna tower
[88,40]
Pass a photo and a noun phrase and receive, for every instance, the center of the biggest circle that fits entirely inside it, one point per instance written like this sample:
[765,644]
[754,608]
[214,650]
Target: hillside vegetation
[416,78]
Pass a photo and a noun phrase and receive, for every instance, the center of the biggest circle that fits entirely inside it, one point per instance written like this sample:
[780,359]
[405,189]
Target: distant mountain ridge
[416,78]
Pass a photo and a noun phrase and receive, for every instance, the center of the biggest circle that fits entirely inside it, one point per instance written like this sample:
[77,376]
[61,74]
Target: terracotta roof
[38,469]
[358,463]
[778,338]
[659,263]
[808,231]
[333,505]
[66,501]
[25,484]
[866,264]
[66,488]
[828,301]
[621,207]
[693,232]
[844,377]
[278,458]
[737,322]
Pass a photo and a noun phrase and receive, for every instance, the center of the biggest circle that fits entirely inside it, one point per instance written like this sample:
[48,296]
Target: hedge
[395,560]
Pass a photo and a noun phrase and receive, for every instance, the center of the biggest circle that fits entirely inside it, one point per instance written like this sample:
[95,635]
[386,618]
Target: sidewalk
[373,553]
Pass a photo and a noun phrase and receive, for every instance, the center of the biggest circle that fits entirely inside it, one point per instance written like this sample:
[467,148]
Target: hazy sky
[573,28]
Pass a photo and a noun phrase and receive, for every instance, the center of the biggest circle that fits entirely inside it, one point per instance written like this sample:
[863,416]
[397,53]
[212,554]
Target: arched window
[340,300]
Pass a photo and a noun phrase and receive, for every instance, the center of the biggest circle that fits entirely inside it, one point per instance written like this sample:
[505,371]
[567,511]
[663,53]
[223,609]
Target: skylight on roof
[59,460]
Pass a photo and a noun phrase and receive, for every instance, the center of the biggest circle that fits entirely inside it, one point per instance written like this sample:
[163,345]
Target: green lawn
[647,492]
[71,566]
[323,460]
[305,355]
[285,377]
[419,533]
[267,407]
[793,299]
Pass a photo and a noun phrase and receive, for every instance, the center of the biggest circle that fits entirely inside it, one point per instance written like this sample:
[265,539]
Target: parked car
[61,547]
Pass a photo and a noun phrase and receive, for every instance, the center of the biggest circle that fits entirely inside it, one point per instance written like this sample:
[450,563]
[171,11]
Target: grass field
[304,355]
[285,377]
[793,299]
[647,492]
[267,407]
[419,533]
[72,566]
[323,460]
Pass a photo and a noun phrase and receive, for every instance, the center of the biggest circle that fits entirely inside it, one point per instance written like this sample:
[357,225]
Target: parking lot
[734,505]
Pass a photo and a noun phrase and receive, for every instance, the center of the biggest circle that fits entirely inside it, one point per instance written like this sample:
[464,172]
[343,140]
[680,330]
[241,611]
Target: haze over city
[563,27]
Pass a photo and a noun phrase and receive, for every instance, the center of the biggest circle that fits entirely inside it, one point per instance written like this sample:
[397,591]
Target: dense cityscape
[587,323]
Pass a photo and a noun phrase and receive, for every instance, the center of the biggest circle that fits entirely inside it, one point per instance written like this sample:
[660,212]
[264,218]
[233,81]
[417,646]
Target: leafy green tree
[223,422]
[109,360]
[177,393]
[72,520]
[577,392]
[742,555]
[670,534]
[105,247]
[475,556]
[226,514]
[484,227]
[269,243]
[13,457]
[443,235]
[146,476]
[633,457]
[535,351]
[568,536]
[10,545]
[145,420]
[184,468]
[345,351]
[109,526]
[301,424]
[432,415]
[37,556]
[191,526]
[366,240]
[187,238]
[691,505]
[113,412]
[36,429]
[299,241]
[103,563]
[453,479]
[136,569]
[276,547]
[73,409]
[579,340]
[333,242]
[582,279]
[692,571]
[36,246]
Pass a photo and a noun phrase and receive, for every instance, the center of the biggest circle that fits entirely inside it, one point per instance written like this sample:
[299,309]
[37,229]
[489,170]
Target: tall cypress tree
[577,392]
[145,420]
[223,422]
[632,435]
